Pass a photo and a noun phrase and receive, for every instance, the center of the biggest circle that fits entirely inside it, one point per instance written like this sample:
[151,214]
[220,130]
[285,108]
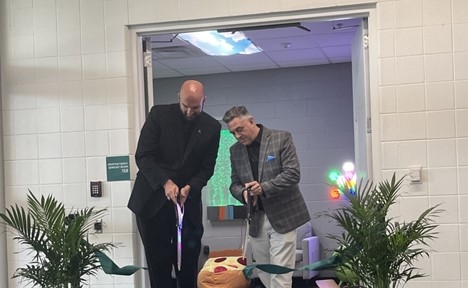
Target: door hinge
[366,41]
[147,59]
[369,125]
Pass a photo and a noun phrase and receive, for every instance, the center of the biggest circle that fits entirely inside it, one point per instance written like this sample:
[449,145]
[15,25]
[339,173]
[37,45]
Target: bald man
[176,155]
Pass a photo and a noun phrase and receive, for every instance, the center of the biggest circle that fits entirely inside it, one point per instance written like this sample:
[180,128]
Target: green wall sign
[118,168]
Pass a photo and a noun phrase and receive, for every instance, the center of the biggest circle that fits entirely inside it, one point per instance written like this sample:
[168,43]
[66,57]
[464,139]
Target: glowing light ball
[342,182]
[348,169]
[335,193]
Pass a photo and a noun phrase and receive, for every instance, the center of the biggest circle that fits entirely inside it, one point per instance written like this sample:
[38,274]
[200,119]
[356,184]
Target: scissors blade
[180,218]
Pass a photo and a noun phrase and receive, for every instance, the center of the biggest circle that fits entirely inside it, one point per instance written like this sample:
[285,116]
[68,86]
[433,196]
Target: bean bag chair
[223,269]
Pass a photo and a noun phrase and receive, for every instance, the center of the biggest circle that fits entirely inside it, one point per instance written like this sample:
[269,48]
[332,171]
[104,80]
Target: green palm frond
[61,251]
[379,251]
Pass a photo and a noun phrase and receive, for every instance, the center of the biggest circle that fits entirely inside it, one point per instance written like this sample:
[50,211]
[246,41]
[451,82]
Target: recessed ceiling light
[221,44]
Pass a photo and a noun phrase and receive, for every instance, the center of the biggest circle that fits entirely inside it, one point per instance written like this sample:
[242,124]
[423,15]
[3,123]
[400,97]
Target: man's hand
[184,192]
[248,194]
[254,187]
[171,190]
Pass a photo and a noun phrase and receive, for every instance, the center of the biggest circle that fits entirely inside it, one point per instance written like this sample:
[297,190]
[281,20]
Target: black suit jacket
[161,155]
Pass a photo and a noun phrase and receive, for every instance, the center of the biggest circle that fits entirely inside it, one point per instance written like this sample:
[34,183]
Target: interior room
[304,86]
[73,103]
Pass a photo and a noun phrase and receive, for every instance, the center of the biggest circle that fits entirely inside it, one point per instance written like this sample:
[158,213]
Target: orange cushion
[223,272]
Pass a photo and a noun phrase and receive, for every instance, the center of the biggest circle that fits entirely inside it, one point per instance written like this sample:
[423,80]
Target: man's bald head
[191,98]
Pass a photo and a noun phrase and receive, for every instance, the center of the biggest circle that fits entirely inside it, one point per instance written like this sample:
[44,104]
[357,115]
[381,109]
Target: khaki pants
[271,247]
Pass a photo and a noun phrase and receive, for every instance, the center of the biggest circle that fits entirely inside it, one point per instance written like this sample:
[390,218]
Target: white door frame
[354,11]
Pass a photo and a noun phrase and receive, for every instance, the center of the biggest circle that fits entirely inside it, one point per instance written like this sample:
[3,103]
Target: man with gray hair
[265,171]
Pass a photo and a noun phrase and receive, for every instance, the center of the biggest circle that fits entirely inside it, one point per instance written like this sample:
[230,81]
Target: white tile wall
[412,207]
[437,12]
[72,119]
[50,145]
[441,124]
[21,46]
[460,43]
[62,59]
[438,67]
[408,13]
[408,41]
[461,119]
[116,39]
[389,127]
[45,44]
[50,171]
[464,267]
[96,117]
[450,205]
[443,181]
[462,149]
[69,42]
[448,239]
[411,98]
[387,43]
[440,268]
[94,66]
[117,65]
[440,96]
[26,146]
[74,171]
[388,99]
[71,93]
[118,90]
[46,70]
[412,126]
[25,121]
[116,13]
[119,142]
[389,155]
[73,144]
[70,68]
[464,237]
[438,39]
[412,153]
[47,95]
[26,172]
[120,116]
[94,92]
[387,71]
[97,143]
[48,120]
[460,65]
[409,69]
[22,96]
[461,94]
[19,71]
[74,196]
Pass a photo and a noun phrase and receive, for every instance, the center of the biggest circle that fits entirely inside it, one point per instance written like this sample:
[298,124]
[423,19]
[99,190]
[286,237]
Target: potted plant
[374,250]
[61,253]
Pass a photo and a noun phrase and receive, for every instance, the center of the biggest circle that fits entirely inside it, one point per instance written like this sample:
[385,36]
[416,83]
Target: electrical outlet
[98,226]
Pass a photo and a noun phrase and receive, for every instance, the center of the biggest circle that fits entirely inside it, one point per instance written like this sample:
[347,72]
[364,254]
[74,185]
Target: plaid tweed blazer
[279,175]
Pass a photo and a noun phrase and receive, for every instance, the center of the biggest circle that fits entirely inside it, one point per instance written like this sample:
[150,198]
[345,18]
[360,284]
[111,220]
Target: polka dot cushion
[223,272]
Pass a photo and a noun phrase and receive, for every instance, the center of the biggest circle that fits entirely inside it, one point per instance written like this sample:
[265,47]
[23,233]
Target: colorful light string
[342,182]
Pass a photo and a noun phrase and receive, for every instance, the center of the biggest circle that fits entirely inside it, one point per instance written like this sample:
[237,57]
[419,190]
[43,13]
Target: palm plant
[375,250]
[62,256]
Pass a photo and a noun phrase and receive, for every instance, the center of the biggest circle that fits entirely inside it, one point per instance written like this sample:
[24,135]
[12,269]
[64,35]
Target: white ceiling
[327,42]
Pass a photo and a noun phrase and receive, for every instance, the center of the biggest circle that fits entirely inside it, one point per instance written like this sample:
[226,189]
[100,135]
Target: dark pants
[159,237]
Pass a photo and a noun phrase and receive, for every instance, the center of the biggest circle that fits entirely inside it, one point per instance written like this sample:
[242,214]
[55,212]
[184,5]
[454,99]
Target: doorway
[176,61]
